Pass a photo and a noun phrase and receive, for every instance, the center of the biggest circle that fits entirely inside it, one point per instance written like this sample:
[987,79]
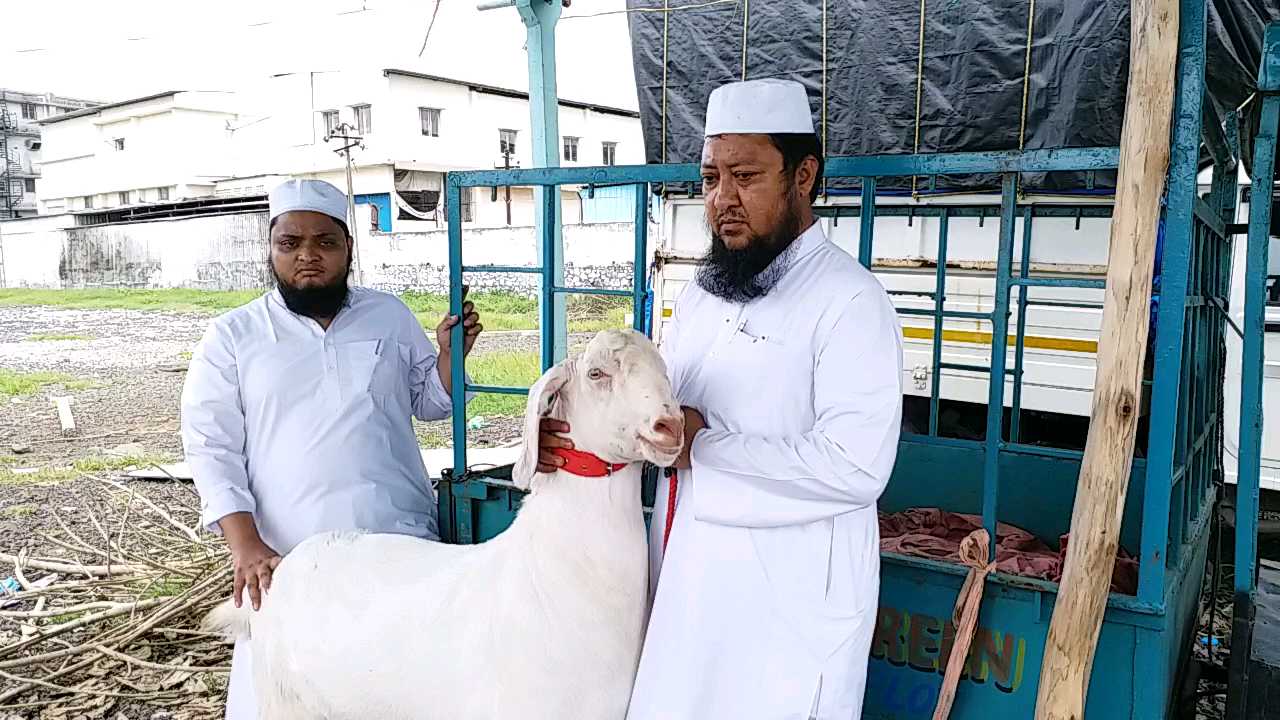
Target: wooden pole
[1108,455]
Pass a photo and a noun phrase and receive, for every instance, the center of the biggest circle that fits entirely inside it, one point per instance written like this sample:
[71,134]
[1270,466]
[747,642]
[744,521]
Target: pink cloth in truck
[937,534]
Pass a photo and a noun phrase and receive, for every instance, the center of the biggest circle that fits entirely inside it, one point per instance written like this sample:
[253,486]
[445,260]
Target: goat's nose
[669,429]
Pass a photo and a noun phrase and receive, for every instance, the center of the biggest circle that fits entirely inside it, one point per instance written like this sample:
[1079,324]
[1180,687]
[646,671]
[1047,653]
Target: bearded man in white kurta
[787,355]
[296,413]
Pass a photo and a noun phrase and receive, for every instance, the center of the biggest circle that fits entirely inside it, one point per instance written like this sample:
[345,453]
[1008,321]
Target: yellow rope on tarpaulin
[824,89]
[1026,75]
[746,13]
[666,28]
[919,91]
[1026,84]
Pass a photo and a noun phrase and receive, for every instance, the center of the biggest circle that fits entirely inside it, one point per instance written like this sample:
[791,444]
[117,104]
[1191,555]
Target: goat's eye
[595,373]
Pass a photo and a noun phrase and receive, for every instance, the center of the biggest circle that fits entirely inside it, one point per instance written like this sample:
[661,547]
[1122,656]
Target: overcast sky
[115,51]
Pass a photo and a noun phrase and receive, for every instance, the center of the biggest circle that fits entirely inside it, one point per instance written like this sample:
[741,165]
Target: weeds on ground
[18,384]
[56,337]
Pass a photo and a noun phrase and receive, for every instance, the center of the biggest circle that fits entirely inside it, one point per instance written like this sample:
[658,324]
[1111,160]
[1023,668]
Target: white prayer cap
[314,195]
[764,106]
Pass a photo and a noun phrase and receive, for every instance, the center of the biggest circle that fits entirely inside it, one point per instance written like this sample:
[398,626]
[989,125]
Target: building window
[29,185]
[423,201]
[430,118]
[330,118]
[122,198]
[88,202]
[28,111]
[570,149]
[468,205]
[163,193]
[118,143]
[506,142]
[610,153]
[364,119]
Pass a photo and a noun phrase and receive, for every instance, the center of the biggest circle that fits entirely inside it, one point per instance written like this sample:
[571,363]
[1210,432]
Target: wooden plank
[65,418]
[1104,472]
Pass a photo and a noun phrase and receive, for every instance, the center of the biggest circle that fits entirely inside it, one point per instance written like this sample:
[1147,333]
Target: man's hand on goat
[252,560]
[253,567]
[471,328]
[693,422]
[549,440]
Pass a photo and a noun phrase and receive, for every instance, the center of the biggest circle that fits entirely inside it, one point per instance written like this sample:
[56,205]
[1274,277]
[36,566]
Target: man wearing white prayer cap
[297,408]
[765,560]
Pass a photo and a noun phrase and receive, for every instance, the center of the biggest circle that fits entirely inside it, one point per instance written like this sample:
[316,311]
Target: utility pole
[506,165]
[350,139]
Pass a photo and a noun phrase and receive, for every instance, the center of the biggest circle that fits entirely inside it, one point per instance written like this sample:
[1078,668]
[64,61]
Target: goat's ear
[541,397]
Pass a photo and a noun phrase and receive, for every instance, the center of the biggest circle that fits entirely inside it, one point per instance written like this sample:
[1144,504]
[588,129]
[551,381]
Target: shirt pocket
[378,367]
[757,350]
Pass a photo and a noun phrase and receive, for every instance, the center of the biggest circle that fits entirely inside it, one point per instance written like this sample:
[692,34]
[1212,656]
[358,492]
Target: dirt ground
[123,371]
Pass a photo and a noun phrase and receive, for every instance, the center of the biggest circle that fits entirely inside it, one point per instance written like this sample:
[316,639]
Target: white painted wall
[229,252]
[30,250]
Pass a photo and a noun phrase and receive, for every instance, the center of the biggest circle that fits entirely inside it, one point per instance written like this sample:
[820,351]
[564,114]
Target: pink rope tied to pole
[974,552]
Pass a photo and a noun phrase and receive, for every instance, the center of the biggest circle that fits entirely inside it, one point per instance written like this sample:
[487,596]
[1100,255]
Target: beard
[740,276]
[322,301]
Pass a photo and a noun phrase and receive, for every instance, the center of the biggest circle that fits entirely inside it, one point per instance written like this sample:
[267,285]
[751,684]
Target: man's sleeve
[213,429]
[841,464]
[430,400]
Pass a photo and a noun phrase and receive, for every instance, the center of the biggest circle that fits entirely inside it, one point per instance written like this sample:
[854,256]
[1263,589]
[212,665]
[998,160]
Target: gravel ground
[135,362]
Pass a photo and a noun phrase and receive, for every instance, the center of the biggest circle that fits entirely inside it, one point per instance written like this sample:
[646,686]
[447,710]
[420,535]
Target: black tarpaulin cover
[976,75]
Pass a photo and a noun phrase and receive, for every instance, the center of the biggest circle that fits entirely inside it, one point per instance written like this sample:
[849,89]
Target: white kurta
[766,598]
[309,430]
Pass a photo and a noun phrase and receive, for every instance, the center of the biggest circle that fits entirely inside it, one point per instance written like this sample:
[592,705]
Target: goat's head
[617,401]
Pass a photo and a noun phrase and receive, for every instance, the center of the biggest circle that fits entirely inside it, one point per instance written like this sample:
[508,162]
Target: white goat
[543,621]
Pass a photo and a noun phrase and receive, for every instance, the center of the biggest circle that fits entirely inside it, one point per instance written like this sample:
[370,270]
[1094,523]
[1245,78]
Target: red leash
[672,486]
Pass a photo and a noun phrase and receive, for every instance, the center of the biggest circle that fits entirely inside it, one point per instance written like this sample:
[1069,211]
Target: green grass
[93,465]
[166,588]
[513,369]
[42,475]
[170,300]
[110,463]
[433,439]
[499,311]
[16,384]
[54,337]
[18,511]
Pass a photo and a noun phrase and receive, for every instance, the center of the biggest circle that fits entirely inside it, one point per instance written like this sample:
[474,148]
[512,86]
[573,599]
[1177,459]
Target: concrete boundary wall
[228,252]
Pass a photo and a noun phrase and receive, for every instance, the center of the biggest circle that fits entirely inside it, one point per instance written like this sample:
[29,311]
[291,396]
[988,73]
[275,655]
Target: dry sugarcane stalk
[67,627]
[29,631]
[78,691]
[160,666]
[55,612]
[191,534]
[67,568]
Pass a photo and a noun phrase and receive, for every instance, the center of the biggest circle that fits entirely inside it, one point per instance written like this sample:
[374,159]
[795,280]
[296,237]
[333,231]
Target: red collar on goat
[585,464]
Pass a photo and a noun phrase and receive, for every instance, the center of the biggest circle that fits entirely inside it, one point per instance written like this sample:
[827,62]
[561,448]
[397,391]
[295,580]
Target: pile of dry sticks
[101,616]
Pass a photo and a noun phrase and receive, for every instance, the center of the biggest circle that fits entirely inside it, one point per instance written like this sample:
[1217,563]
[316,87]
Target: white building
[183,145]
[20,145]
[160,148]
[414,129]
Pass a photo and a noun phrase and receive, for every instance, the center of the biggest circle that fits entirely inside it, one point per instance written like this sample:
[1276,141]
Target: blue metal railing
[866,169]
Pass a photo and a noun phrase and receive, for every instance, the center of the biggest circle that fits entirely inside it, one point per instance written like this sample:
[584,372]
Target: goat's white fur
[543,621]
